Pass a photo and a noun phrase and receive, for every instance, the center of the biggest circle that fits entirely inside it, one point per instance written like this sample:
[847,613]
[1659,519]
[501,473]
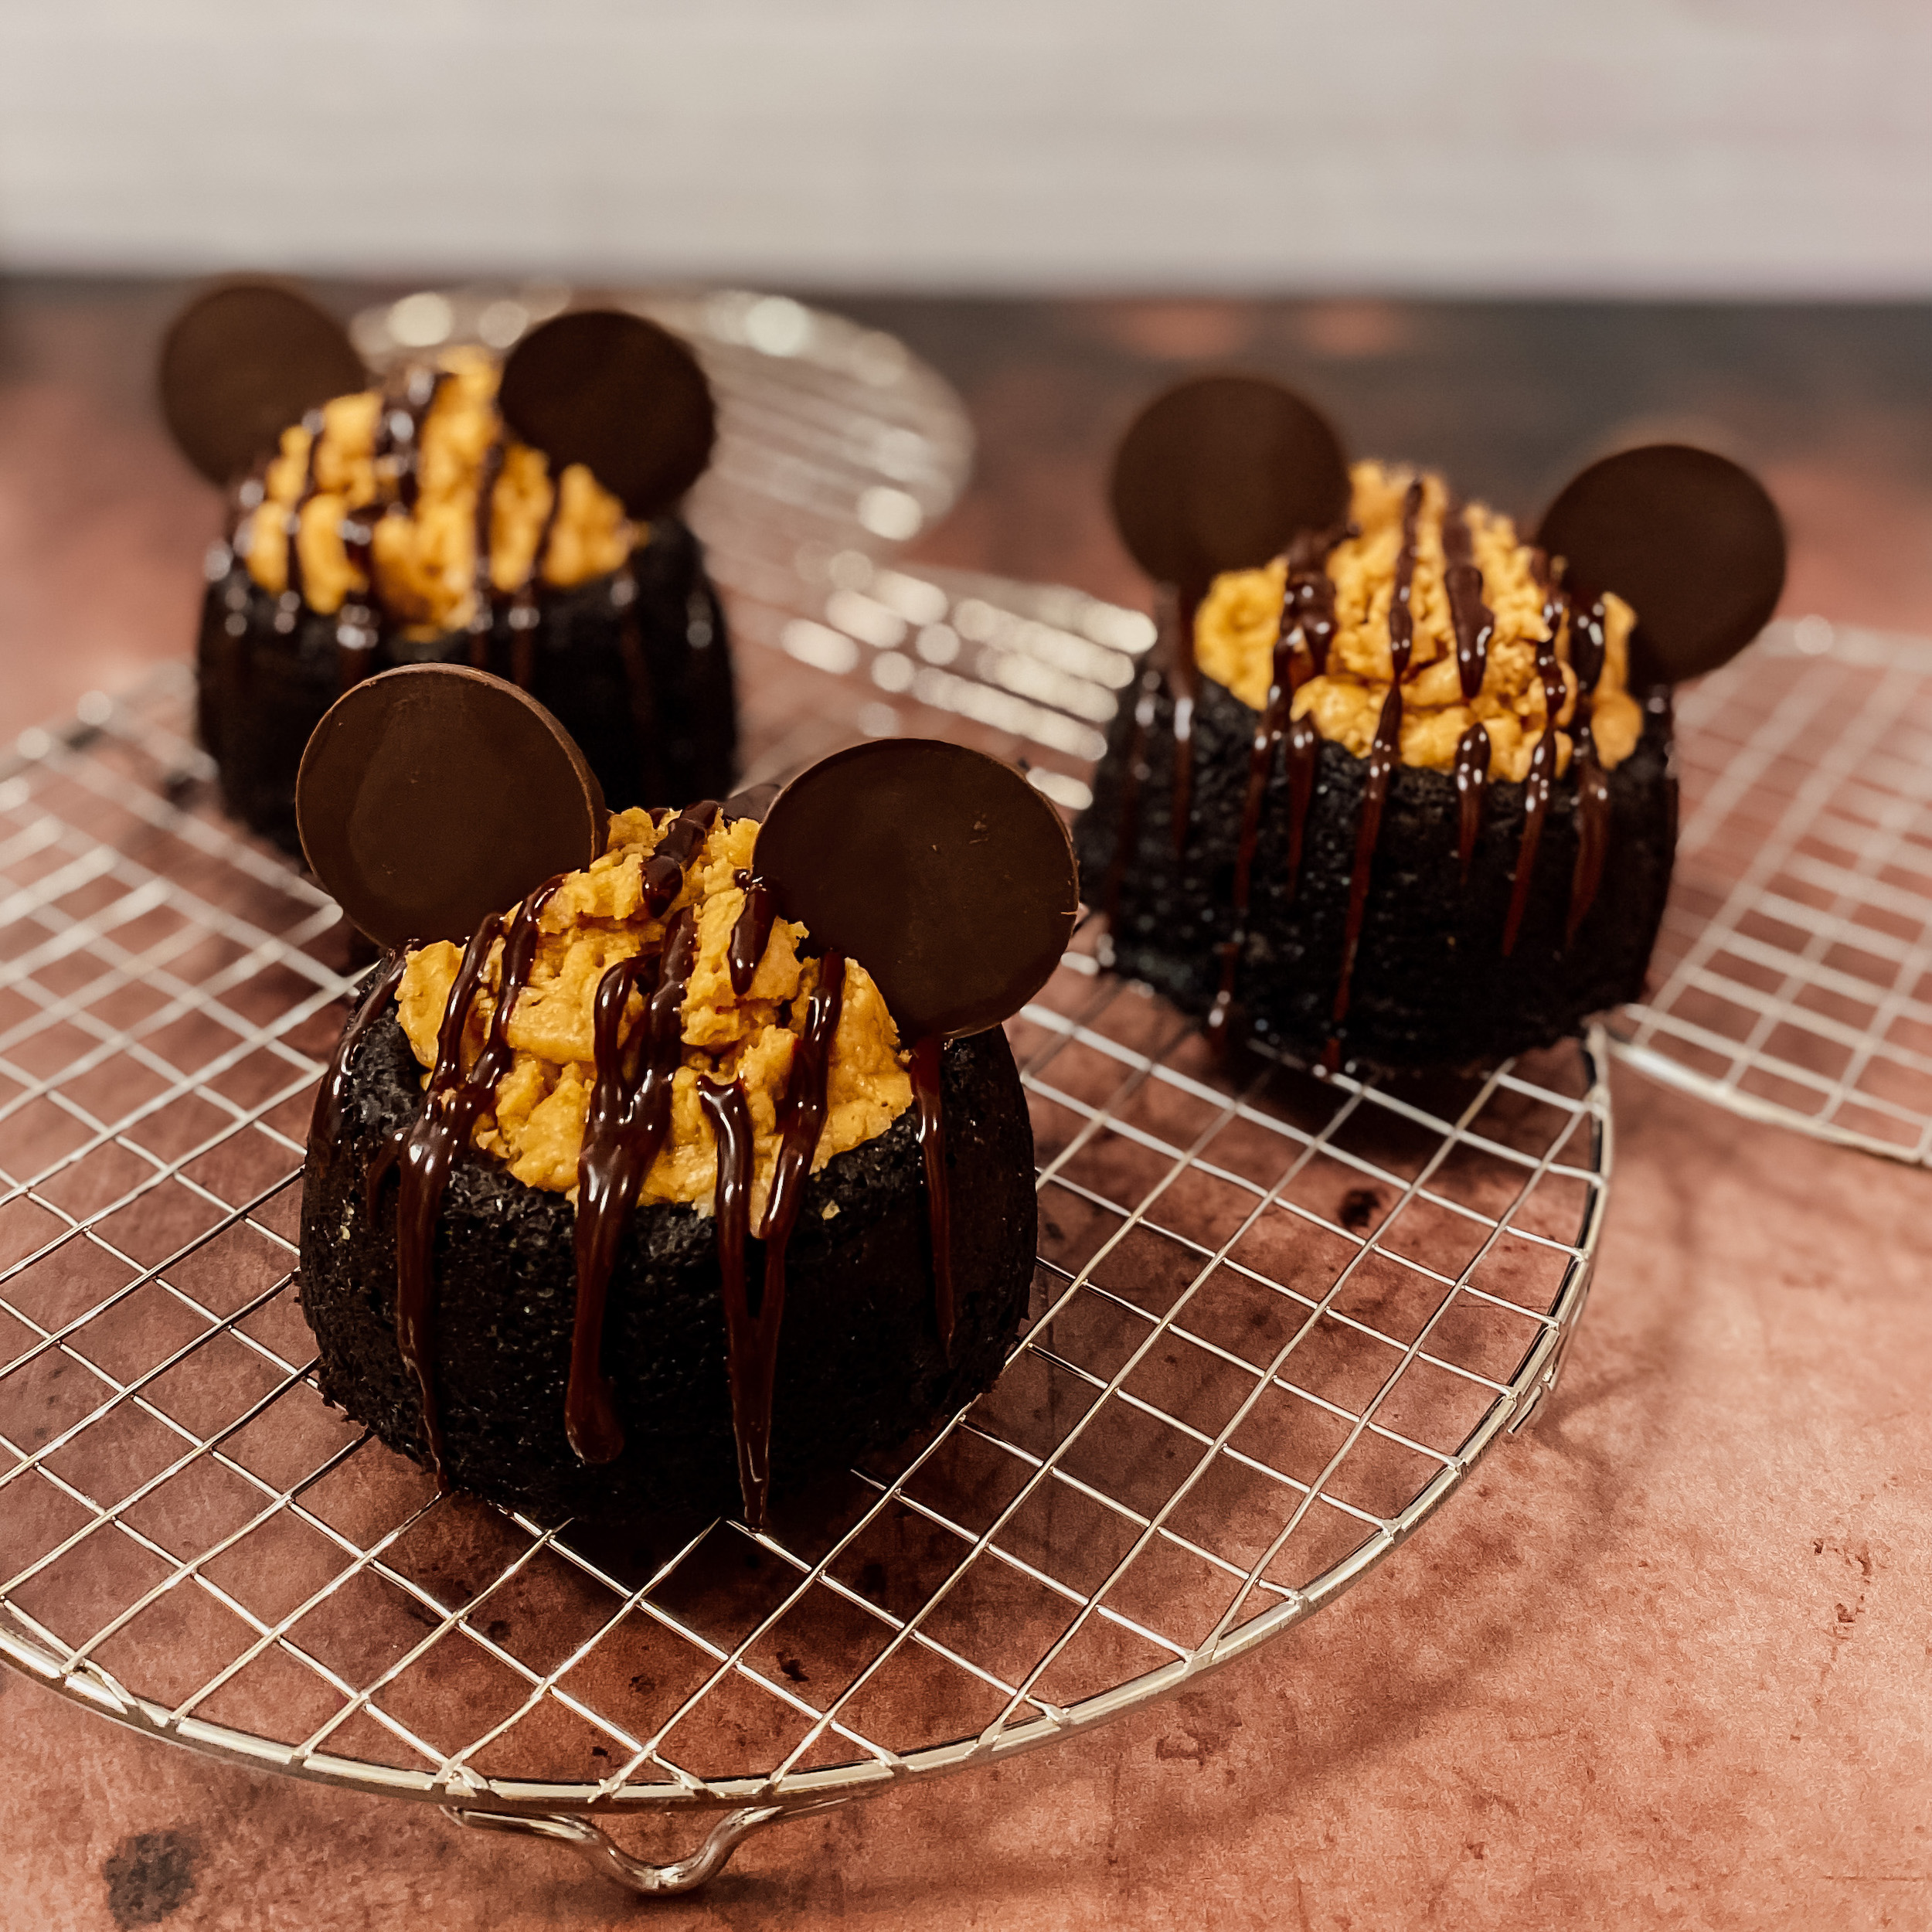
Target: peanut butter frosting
[423,554]
[1238,622]
[595,919]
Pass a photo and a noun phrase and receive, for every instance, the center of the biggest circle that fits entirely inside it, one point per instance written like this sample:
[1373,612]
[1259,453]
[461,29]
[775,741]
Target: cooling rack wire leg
[635,1875]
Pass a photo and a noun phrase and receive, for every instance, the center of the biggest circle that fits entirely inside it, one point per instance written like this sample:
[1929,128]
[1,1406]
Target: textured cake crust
[859,1365]
[1431,986]
[263,692]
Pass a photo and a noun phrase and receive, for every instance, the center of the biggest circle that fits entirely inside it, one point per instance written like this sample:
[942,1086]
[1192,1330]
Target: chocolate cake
[639,1200]
[1394,797]
[403,522]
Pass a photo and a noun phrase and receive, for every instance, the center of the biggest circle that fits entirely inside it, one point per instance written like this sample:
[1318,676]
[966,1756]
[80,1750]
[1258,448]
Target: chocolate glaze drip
[747,1338]
[927,1057]
[1303,759]
[682,842]
[326,1122]
[750,932]
[1384,752]
[625,1131]
[1593,836]
[1300,652]
[802,1118]
[1472,619]
[424,1152]
[1134,773]
[1542,771]
[1472,782]
[1177,613]
[418,399]
[1587,652]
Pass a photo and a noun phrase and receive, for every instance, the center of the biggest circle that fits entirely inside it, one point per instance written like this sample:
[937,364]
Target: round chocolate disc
[1693,544]
[604,388]
[241,364]
[940,870]
[432,795]
[1219,473]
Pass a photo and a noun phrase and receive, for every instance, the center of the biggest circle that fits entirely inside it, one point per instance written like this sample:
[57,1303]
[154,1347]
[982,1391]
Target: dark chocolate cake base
[859,1362]
[1431,985]
[650,703]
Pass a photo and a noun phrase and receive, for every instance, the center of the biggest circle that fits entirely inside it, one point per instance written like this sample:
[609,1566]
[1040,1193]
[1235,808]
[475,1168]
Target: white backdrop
[1759,146]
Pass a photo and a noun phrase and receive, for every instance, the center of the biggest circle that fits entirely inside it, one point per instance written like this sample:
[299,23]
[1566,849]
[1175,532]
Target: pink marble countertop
[1668,1665]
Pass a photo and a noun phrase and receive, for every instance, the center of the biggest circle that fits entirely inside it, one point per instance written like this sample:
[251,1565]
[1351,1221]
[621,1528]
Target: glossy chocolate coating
[608,388]
[242,363]
[940,869]
[433,795]
[1693,544]
[1219,473]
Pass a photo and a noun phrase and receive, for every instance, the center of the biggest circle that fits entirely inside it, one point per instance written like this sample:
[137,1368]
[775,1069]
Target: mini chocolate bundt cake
[402,524]
[487,1299]
[1342,820]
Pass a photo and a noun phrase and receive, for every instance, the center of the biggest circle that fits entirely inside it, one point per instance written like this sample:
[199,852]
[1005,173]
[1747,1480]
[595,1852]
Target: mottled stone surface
[1664,1663]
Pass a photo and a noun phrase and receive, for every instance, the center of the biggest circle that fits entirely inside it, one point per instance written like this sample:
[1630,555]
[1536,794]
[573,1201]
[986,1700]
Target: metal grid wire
[1793,977]
[1276,1321]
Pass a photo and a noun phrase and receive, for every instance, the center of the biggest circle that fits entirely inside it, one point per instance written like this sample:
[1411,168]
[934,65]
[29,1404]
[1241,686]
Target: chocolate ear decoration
[940,870]
[241,364]
[432,795]
[1219,473]
[1690,542]
[605,388]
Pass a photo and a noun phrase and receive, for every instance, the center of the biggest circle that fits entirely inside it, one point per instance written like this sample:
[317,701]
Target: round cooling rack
[1276,1321]
[1793,976]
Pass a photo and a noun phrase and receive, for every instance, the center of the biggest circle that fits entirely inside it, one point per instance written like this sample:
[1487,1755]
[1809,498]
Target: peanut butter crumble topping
[595,919]
[424,557]
[1239,620]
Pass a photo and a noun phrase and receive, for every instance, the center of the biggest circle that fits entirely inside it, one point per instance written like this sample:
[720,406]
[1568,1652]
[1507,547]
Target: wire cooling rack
[1276,1321]
[1793,977]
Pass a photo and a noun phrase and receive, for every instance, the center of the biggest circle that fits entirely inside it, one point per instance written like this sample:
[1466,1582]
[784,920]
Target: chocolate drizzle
[1134,773]
[424,1152]
[326,1122]
[682,842]
[1587,653]
[749,933]
[1471,618]
[926,1066]
[1542,770]
[753,1348]
[624,1130]
[1384,753]
[1184,682]
[1472,782]
[729,1115]
[1300,652]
